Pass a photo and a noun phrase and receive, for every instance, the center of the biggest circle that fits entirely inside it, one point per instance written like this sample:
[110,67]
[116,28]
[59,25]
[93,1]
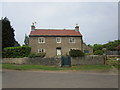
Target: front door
[58,50]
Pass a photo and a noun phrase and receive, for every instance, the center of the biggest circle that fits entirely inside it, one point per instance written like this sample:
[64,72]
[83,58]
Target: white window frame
[57,40]
[41,50]
[73,49]
[73,40]
[42,40]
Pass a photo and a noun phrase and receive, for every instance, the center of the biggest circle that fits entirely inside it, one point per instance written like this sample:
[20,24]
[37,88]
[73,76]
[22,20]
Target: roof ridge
[55,32]
[54,29]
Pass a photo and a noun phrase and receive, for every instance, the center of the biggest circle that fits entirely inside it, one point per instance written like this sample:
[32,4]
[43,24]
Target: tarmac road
[58,79]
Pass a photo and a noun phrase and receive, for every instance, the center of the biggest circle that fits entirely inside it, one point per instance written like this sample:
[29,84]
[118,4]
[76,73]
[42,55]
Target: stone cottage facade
[55,42]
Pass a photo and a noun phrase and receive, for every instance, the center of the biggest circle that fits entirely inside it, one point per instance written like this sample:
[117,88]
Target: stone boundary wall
[111,56]
[89,60]
[36,61]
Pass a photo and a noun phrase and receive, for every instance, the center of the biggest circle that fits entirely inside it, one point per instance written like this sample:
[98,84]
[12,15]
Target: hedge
[16,52]
[33,55]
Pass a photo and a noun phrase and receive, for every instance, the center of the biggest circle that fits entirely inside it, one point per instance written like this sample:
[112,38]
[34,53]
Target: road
[58,79]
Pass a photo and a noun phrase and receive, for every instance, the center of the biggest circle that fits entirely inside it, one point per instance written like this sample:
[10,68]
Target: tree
[98,52]
[26,41]
[8,39]
[97,47]
[111,45]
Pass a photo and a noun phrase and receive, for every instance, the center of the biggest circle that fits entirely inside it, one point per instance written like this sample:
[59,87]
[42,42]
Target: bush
[33,55]
[98,52]
[76,53]
[40,55]
[16,52]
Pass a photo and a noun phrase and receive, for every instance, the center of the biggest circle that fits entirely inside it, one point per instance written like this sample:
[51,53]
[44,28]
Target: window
[71,40]
[41,40]
[73,49]
[41,50]
[58,40]
[86,51]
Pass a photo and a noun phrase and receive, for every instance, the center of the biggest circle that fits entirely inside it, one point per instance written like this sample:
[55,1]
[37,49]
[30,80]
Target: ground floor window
[41,50]
[86,51]
[73,49]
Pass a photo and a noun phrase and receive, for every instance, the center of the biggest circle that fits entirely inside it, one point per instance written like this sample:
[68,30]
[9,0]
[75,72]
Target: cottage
[87,49]
[55,42]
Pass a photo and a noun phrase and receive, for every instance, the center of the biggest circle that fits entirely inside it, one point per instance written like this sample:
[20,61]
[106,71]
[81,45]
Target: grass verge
[54,68]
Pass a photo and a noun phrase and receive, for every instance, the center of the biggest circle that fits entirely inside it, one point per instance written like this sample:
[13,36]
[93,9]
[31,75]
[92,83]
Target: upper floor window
[41,50]
[58,40]
[72,40]
[41,40]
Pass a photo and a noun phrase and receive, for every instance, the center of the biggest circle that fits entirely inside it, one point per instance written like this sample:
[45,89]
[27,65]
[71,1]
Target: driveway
[58,79]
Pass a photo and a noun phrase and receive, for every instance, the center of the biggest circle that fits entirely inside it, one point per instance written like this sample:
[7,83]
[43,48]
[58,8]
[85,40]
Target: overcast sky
[98,21]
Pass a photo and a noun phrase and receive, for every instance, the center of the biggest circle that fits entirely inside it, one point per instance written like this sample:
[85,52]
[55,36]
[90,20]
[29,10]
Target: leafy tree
[90,45]
[111,45]
[8,39]
[26,41]
[97,47]
[16,44]
[98,52]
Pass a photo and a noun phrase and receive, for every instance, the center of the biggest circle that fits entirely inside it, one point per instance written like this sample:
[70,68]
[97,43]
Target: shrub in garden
[16,52]
[33,55]
[76,53]
[98,52]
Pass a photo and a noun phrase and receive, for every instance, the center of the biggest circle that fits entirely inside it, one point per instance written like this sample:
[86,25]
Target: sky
[98,21]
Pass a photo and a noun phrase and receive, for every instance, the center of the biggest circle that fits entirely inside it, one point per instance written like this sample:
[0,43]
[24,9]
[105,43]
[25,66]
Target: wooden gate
[65,61]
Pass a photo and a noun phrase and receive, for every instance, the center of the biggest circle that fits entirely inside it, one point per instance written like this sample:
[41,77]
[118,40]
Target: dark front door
[65,61]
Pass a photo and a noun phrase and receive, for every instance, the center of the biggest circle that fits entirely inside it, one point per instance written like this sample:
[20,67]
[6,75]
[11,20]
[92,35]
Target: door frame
[58,48]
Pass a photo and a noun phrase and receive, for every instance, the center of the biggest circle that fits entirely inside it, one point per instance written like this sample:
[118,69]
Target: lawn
[55,68]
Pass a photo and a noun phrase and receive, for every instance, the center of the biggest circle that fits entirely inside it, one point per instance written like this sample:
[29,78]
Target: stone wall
[37,61]
[88,60]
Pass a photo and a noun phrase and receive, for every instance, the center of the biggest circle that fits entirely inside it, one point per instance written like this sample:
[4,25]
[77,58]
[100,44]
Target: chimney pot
[32,27]
[77,28]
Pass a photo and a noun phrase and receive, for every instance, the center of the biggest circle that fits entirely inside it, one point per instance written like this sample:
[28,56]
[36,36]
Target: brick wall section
[88,60]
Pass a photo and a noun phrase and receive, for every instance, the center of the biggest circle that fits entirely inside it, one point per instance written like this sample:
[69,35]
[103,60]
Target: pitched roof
[55,32]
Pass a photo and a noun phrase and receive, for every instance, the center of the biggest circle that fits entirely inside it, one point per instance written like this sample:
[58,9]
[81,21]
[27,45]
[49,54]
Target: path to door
[44,79]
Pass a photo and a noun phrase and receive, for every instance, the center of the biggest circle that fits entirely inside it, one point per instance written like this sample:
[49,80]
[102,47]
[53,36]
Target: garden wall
[37,61]
[88,60]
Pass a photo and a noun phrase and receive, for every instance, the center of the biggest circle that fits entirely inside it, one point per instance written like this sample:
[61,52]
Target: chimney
[77,28]
[32,27]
